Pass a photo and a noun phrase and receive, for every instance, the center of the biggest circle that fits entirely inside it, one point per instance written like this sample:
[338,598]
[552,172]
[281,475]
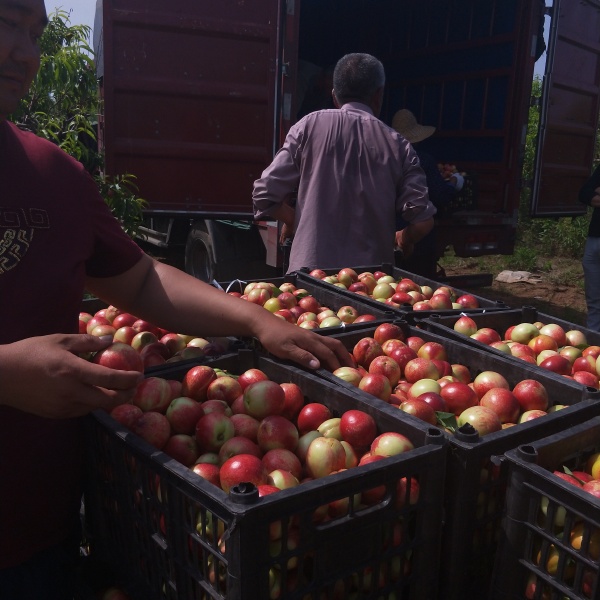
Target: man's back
[352,174]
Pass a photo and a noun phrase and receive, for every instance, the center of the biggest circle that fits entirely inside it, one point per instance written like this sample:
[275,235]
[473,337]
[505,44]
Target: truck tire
[199,255]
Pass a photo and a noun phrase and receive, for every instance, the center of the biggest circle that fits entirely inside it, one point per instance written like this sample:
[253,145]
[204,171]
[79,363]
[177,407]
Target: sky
[82,13]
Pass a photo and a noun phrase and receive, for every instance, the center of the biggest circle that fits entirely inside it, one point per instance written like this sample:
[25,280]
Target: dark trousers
[49,575]
[423,260]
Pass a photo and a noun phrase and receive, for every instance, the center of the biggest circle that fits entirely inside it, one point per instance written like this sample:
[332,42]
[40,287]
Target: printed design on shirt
[17,226]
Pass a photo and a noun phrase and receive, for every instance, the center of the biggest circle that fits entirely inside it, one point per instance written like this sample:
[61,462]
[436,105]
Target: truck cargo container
[198,96]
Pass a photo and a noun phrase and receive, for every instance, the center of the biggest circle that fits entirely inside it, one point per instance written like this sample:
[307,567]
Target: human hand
[595,202]
[286,233]
[308,349]
[45,376]
[404,244]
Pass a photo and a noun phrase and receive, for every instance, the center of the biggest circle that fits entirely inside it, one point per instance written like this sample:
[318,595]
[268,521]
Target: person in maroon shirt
[58,239]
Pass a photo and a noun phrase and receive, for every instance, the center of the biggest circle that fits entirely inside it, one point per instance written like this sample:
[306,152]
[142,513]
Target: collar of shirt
[357,106]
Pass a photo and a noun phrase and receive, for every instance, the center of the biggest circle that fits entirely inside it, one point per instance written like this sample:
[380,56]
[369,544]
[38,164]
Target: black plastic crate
[476,470]
[552,528]
[406,311]
[326,297]
[154,520]
[165,370]
[92,305]
[500,321]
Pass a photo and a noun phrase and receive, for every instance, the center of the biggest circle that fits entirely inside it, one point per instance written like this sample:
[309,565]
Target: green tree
[62,106]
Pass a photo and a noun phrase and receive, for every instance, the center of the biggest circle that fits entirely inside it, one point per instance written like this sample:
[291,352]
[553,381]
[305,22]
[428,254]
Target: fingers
[120,389]
[109,399]
[105,388]
[110,379]
[50,378]
[336,355]
[83,343]
[324,352]
[80,401]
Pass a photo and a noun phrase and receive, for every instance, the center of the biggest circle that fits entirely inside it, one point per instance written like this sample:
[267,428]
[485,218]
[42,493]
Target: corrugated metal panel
[190,96]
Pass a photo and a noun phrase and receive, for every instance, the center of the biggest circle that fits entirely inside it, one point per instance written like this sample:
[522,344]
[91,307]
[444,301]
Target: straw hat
[405,123]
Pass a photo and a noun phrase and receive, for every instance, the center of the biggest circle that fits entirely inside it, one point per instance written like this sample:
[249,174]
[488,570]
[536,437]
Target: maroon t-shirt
[54,230]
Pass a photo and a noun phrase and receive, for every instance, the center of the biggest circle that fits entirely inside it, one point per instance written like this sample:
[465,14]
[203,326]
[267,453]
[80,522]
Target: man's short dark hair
[357,77]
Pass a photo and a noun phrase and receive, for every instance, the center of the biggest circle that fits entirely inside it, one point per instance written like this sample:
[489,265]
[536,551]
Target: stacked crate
[476,474]
[551,541]
[169,534]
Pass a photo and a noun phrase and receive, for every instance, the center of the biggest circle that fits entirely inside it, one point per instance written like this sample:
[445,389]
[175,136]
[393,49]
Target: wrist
[407,235]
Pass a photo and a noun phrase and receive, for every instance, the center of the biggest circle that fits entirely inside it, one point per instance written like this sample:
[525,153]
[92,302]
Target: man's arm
[286,215]
[47,377]
[413,203]
[407,238]
[279,181]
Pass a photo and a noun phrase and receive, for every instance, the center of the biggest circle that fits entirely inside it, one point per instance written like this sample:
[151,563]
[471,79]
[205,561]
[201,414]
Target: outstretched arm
[47,376]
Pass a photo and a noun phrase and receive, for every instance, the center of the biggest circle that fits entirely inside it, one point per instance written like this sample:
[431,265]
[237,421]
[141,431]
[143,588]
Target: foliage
[560,237]
[119,194]
[523,259]
[62,106]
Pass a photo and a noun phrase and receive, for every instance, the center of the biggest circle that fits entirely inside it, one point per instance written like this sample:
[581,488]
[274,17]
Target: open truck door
[569,109]
[192,95]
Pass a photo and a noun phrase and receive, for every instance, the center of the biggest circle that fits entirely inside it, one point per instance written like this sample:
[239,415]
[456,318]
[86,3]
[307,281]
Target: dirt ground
[558,292]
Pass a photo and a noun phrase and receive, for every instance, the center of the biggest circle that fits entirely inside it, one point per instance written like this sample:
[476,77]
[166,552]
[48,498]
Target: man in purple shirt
[352,174]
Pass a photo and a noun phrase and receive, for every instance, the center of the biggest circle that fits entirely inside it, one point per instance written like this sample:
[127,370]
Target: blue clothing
[591,273]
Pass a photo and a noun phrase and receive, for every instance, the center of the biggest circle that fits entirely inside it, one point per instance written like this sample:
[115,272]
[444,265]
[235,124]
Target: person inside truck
[589,194]
[59,238]
[423,260]
[313,90]
[352,173]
